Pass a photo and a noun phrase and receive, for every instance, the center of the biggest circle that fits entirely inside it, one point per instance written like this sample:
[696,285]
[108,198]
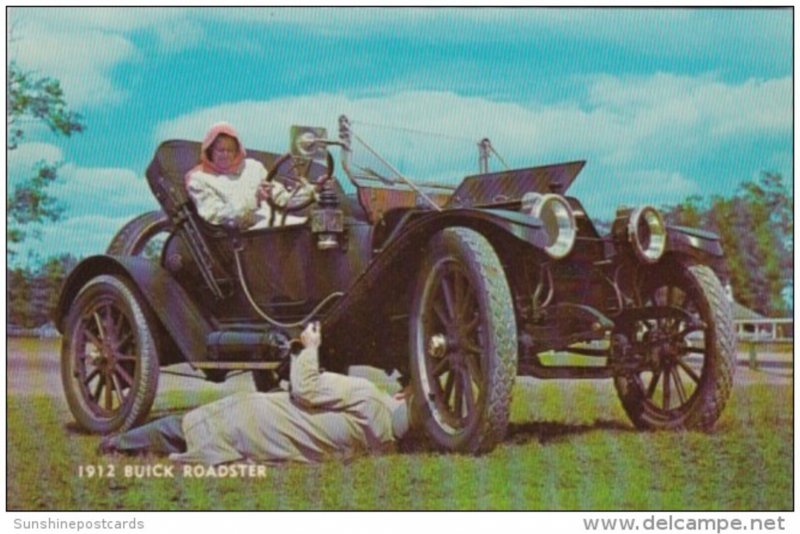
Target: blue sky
[662,103]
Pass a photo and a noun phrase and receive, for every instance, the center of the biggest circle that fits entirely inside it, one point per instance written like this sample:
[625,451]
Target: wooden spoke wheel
[463,343]
[109,358]
[686,352]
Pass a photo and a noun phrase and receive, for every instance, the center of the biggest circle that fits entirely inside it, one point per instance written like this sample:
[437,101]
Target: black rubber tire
[109,301]
[132,239]
[465,255]
[713,382]
[265,380]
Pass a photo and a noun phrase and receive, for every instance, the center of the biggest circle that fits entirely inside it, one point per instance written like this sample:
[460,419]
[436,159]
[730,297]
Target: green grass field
[570,447]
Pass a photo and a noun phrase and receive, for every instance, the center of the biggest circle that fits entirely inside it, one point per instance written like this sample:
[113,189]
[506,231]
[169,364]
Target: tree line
[756,227]
[32,292]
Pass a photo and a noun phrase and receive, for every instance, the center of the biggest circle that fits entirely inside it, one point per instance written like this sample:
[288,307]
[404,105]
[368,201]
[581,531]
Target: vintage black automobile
[457,289]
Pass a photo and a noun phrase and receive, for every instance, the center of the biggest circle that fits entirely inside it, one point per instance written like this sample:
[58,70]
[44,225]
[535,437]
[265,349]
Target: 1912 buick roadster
[458,289]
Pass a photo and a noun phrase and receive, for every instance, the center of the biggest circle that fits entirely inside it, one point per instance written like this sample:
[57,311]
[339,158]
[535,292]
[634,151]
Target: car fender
[694,242]
[514,223]
[179,315]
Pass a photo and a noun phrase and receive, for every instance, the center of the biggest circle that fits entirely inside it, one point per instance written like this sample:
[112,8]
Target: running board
[565,371]
[272,366]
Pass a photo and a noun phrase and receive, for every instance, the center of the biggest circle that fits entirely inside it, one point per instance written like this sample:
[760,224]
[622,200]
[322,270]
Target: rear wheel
[463,343]
[109,360]
[142,236]
[687,355]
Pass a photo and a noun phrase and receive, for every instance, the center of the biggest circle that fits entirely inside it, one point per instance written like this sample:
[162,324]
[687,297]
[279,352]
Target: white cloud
[641,26]
[112,19]
[763,107]
[638,186]
[98,202]
[627,121]
[179,34]
[636,135]
[81,46]
[80,236]
[676,102]
[602,191]
[103,191]
[639,135]
[675,29]
[684,31]
[266,125]
[84,189]
[81,61]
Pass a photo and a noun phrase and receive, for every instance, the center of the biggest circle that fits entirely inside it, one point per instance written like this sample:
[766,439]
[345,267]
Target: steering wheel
[301,185]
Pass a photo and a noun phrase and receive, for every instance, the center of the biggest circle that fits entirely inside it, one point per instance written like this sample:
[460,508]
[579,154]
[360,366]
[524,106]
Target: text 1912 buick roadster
[458,289]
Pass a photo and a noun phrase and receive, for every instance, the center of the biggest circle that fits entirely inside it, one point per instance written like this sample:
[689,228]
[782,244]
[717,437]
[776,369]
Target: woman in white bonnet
[227,187]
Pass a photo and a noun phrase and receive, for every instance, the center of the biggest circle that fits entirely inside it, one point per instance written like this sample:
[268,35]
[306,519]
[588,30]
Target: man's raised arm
[324,390]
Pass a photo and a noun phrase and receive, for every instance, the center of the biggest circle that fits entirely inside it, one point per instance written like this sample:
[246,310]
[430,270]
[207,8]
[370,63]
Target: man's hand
[312,336]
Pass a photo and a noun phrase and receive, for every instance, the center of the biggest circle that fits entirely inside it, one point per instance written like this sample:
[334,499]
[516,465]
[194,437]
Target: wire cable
[391,167]
[261,312]
[491,147]
[411,130]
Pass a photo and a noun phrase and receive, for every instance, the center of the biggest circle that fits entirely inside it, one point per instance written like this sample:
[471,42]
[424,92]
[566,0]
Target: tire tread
[500,371]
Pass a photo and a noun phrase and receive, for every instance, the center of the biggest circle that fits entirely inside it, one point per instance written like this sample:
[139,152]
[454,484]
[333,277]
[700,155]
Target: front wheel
[109,360]
[463,340]
[685,343]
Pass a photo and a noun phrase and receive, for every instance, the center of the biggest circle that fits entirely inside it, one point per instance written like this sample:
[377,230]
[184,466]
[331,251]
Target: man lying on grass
[323,415]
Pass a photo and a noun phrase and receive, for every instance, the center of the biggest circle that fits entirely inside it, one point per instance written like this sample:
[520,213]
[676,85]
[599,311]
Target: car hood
[511,185]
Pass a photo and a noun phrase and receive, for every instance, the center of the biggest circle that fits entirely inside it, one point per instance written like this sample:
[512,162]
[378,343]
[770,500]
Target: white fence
[765,330]
[766,335]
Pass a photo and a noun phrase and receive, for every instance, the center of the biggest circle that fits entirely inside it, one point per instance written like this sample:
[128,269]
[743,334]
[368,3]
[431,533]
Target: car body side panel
[286,266]
[286,273]
[406,245]
[522,226]
[179,315]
